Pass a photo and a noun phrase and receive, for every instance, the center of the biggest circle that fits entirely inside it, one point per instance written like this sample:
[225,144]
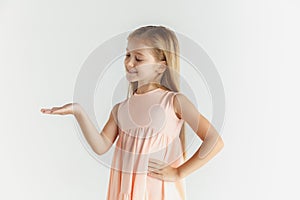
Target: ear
[162,66]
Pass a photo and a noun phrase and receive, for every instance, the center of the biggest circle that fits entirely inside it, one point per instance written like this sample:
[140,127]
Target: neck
[147,87]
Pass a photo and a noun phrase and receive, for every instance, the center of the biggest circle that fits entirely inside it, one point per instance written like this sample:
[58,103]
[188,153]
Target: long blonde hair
[164,47]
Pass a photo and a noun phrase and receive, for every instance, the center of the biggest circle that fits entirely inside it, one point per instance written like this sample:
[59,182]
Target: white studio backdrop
[254,45]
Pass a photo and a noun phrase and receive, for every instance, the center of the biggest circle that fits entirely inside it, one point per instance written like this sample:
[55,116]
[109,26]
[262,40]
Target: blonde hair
[164,47]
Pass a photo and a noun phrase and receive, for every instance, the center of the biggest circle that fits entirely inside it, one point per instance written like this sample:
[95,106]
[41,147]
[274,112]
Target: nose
[129,65]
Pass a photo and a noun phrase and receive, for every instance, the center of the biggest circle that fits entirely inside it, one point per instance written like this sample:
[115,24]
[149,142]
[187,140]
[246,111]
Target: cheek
[143,73]
[145,70]
[148,73]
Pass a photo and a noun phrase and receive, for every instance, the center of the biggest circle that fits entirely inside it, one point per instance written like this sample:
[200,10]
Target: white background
[254,45]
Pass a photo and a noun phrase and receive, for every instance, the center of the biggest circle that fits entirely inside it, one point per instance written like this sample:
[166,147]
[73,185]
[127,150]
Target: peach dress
[148,128]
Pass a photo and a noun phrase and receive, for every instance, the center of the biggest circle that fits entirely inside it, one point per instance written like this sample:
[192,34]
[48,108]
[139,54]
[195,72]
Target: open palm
[63,110]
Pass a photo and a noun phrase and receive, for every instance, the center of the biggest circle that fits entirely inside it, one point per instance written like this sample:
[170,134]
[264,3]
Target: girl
[149,160]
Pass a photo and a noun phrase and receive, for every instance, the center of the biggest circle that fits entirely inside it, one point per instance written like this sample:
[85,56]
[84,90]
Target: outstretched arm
[212,141]
[100,143]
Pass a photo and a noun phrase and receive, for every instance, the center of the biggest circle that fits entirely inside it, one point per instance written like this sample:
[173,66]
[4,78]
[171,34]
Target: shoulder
[116,107]
[182,103]
[177,99]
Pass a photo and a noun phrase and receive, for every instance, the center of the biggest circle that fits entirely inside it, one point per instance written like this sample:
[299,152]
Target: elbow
[221,143]
[100,153]
[102,146]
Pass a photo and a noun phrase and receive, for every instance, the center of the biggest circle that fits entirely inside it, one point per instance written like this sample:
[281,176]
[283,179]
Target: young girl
[149,160]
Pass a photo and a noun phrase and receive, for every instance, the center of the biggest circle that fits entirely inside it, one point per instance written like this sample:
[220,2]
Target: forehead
[137,46]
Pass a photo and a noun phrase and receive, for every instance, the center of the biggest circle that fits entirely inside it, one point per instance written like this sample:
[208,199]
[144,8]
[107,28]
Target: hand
[163,171]
[70,108]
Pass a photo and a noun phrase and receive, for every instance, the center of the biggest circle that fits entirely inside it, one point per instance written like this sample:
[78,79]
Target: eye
[128,55]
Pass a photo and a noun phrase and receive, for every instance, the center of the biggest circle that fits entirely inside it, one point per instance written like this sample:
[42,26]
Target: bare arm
[212,142]
[100,143]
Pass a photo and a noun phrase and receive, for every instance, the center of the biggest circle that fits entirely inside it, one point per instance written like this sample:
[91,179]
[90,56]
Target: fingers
[50,111]
[46,111]
[156,175]
[156,163]
[153,169]
[156,166]
[62,110]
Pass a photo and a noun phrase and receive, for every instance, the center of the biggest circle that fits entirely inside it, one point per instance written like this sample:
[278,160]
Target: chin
[130,78]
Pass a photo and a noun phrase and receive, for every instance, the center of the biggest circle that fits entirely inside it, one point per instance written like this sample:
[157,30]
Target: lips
[132,71]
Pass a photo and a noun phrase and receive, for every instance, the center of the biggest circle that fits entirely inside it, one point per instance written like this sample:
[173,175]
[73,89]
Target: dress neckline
[146,93]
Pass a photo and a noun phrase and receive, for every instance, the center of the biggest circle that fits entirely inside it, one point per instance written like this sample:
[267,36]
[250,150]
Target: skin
[148,73]
[140,60]
[211,145]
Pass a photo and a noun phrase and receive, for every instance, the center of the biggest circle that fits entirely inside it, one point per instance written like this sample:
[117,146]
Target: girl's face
[140,64]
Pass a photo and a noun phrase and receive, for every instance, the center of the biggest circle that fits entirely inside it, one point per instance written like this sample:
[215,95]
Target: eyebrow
[136,52]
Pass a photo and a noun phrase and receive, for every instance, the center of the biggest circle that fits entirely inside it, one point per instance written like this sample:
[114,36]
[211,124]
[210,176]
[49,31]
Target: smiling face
[140,64]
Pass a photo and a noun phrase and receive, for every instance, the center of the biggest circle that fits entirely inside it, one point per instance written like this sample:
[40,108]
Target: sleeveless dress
[148,128]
